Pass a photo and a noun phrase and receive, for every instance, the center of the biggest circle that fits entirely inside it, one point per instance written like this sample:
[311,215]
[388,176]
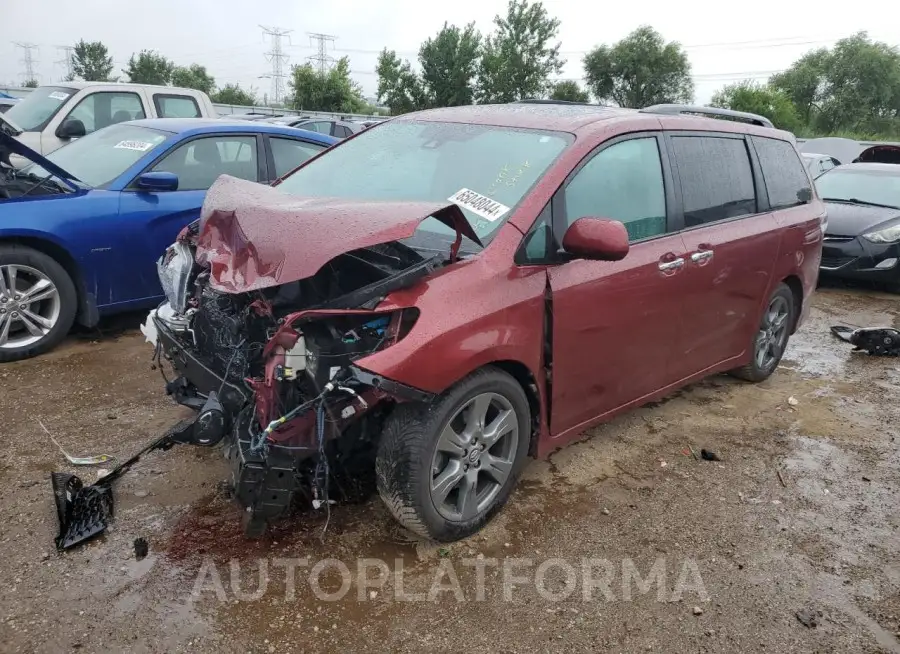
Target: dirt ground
[800,517]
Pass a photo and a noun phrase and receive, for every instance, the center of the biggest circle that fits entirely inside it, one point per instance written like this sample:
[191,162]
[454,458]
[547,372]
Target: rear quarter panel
[801,249]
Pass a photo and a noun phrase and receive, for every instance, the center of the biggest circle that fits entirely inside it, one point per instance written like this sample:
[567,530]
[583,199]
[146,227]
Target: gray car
[818,164]
[338,128]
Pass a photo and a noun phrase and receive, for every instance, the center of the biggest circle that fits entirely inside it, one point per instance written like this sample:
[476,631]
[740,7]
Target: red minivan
[426,304]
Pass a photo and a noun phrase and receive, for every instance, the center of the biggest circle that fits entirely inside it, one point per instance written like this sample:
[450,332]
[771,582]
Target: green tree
[30,84]
[234,94]
[517,59]
[399,88]
[333,91]
[759,99]
[149,67]
[569,91]
[639,71]
[449,64]
[854,87]
[91,61]
[803,82]
[193,77]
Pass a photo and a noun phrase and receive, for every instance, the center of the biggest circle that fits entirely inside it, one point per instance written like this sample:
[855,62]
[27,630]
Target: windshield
[485,170]
[98,158]
[876,187]
[33,112]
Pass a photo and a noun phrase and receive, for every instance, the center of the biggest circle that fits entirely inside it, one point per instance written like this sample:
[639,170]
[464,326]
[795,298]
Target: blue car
[81,229]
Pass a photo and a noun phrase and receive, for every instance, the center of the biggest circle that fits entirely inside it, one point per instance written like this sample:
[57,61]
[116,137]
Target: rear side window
[289,153]
[716,178]
[176,106]
[783,172]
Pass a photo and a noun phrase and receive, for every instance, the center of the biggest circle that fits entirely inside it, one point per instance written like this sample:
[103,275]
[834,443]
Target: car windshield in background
[486,169]
[868,186]
[98,158]
[37,108]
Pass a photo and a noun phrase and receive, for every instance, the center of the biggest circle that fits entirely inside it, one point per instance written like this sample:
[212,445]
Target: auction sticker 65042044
[480,205]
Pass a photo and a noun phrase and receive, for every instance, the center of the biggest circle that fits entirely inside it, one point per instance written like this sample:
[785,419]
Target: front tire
[771,338]
[445,468]
[38,303]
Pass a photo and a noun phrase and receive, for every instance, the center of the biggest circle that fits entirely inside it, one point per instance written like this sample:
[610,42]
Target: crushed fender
[878,341]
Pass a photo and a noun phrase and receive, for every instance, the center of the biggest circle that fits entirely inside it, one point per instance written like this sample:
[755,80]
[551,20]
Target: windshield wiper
[42,181]
[864,203]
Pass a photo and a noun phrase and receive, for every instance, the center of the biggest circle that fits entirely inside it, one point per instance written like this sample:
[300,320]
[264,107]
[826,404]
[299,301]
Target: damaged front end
[263,329]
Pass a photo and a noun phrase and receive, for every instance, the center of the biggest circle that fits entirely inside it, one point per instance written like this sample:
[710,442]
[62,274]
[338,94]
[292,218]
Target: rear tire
[29,328]
[771,338]
[445,468]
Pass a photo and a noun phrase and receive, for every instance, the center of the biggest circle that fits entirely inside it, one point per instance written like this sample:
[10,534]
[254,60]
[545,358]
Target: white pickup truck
[50,116]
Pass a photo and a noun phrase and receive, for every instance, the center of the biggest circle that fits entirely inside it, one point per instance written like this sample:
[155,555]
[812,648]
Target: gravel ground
[623,542]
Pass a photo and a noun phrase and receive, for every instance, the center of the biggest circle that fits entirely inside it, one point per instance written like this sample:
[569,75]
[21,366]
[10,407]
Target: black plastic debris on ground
[141,548]
[878,341]
[83,511]
[709,455]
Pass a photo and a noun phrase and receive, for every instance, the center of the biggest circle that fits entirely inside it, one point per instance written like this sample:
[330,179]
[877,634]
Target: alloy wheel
[474,457]
[29,305]
[772,336]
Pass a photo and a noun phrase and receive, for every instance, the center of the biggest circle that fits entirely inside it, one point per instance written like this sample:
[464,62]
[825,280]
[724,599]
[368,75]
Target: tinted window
[624,182]
[783,172]
[341,132]
[103,108]
[716,178]
[176,106]
[289,154]
[199,162]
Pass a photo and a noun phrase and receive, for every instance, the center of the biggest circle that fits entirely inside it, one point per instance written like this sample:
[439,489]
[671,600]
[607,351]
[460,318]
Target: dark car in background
[862,240]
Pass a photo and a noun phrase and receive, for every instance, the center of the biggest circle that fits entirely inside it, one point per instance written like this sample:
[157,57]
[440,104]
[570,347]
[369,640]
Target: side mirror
[71,129]
[596,238]
[159,181]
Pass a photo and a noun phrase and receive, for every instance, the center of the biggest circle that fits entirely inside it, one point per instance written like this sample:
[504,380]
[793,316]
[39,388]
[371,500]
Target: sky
[225,35]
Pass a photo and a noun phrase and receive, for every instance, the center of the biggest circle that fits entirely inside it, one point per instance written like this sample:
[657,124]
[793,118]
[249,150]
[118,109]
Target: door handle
[702,255]
[674,264]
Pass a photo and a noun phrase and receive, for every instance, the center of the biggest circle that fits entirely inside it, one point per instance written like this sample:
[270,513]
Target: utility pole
[322,58]
[27,61]
[277,58]
[66,61]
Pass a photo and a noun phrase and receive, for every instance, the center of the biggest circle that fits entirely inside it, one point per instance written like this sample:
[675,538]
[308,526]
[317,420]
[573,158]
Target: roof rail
[539,101]
[711,112]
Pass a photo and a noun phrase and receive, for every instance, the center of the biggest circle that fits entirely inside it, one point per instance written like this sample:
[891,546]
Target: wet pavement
[624,542]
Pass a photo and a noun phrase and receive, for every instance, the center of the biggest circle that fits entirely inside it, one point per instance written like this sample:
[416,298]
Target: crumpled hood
[253,236]
[9,144]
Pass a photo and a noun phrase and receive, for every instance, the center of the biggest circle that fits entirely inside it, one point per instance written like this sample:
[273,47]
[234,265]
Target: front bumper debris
[85,511]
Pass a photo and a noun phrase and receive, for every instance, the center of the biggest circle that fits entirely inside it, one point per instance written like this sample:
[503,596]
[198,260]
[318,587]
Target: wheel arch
[793,282]
[526,379]
[87,314]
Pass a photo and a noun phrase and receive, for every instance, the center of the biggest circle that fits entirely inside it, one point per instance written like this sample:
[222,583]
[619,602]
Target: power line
[67,60]
[322,58]
[277,58]
[27,61]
